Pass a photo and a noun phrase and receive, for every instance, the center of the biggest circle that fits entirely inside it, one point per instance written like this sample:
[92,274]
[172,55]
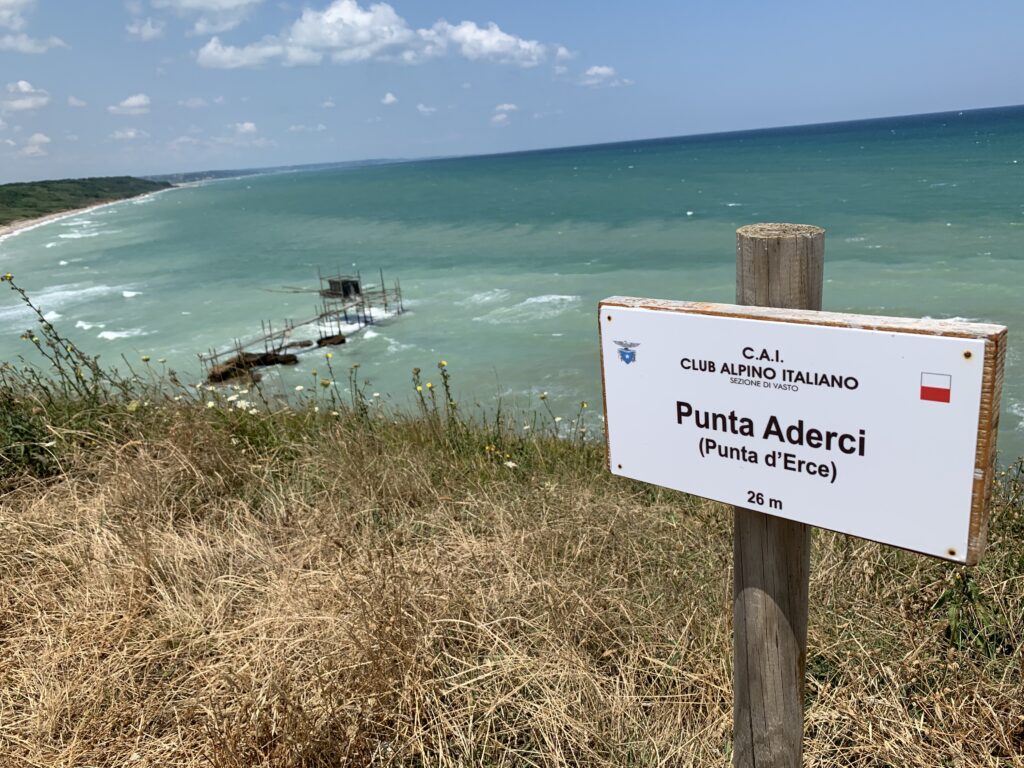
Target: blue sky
[103,87]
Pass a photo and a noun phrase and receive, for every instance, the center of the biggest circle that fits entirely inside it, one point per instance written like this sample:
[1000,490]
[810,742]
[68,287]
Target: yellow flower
[7,277]
[429,385]
[419,388]
[329,355]
[443,364]
[145,358]
[583,404]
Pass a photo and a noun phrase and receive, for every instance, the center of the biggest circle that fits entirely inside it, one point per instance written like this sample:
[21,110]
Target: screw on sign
[801,418]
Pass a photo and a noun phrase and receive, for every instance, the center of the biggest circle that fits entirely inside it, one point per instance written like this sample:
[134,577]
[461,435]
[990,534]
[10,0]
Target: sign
[882,428]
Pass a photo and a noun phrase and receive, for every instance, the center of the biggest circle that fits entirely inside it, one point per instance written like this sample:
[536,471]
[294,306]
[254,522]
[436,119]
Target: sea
[502,259]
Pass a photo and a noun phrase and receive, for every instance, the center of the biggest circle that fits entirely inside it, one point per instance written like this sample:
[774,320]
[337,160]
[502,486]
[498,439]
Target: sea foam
[114,335]
[534,308]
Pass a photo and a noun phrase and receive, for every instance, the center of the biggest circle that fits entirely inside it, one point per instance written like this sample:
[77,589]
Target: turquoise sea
[503,259]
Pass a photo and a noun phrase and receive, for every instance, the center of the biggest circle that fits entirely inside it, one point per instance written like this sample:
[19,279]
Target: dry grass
[202,589]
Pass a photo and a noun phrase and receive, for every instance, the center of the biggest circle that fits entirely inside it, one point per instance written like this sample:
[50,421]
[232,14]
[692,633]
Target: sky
[107,87]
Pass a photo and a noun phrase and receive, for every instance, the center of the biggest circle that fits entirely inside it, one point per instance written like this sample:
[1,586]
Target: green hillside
[31,200]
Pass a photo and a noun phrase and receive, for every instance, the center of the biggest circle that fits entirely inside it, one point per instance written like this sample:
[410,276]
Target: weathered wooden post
[798,417]
[777,265]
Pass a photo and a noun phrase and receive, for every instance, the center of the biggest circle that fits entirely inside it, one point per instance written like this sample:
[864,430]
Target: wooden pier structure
[344,301]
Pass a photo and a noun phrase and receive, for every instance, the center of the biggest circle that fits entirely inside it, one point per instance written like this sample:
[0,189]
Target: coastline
[24,225]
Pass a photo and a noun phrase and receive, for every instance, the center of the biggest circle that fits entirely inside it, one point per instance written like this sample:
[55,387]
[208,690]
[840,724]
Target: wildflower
[145,358]
[162,360]
[557,419]
[355,365]
[325,383]
[232,398]
[419,388]
[243,391]
[376,394]
[543,395]
[526,427]
[210,404]
[299,387]
[443,364]
[511,464]
[335,413]
[584,404]
[8,277]
[253,412]
[329,355]
[429,385]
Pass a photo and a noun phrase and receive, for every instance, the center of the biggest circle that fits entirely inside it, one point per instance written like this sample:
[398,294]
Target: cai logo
[627,351]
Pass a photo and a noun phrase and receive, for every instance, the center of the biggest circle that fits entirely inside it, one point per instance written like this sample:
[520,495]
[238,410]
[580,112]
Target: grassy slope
[41,198]
[183,585]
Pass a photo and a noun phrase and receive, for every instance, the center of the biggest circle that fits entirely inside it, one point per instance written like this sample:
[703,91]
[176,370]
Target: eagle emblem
[627,351]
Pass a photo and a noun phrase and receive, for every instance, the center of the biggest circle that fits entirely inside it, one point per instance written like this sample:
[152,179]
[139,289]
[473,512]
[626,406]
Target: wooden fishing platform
[344,301]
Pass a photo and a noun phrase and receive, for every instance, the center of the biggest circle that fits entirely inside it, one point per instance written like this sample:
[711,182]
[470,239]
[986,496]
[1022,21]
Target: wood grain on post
[777,265]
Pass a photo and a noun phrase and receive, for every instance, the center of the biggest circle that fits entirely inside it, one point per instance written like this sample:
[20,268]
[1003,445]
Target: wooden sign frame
[993,336]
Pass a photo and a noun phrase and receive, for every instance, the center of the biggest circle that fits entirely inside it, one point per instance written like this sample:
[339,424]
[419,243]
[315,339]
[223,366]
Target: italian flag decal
[936,387]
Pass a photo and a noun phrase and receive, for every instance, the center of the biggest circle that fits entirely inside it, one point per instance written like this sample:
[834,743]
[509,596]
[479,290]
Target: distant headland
[30,203]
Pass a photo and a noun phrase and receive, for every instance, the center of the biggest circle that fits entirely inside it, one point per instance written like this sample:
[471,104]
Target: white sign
[881,428]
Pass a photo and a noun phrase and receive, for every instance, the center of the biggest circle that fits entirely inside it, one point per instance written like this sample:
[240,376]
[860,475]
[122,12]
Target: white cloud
[216,55]
[347,32]
[602,75]
[25,97]
[10,13]
[328,103]
[74,101]
[243,134]
[9,143]
[318,128]
[475,42]
[213,15]
[133,105]
[389,99]
[423,109]
[12,18]
[563,54]
[181,142]
[145,30]
[35,145]
[128,134]
[22,43]
[194,102]
[350,32]
[502,113]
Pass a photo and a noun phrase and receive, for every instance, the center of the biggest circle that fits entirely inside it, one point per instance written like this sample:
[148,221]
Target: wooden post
[777,265]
